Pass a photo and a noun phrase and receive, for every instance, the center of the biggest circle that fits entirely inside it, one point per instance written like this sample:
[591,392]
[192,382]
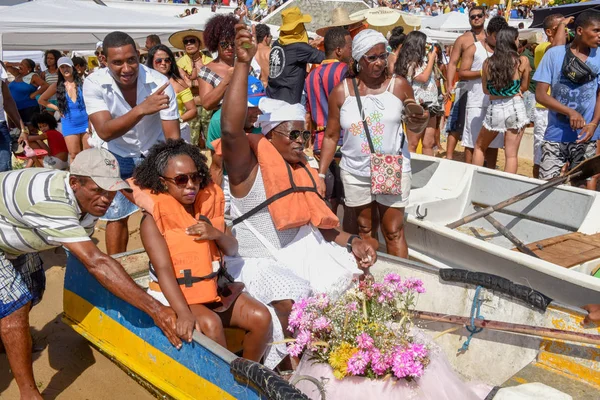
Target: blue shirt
[581,98]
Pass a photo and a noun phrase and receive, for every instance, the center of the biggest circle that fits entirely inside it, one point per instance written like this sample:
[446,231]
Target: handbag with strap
[576,70]
[386,169]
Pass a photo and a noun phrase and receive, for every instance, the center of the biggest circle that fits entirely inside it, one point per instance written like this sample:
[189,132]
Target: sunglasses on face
[373,58]
[183,179]
[476,16]
[189,41]
[295,134]
[161,60]
[225,44]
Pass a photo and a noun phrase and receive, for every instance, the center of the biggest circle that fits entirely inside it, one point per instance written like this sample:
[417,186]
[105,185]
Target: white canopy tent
[444,38]
[452,21]
[76,25]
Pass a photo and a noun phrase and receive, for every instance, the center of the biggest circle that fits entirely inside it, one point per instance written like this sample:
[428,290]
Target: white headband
[365,41]
[274,112]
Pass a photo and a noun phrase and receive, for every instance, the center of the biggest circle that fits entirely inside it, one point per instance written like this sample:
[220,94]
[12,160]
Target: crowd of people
[295,130]
[435,8]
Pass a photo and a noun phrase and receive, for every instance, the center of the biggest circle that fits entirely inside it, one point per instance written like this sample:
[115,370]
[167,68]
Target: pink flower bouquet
[366,332]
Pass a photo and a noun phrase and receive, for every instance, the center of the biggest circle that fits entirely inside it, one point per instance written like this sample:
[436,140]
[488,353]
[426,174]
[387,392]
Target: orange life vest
[292,195]
[192,260]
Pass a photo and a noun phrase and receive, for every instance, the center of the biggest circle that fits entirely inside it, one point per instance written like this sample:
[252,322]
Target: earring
[165,187]
[357,67]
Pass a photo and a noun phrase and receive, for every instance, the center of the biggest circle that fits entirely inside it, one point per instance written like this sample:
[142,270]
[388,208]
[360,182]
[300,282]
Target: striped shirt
[319,84]
[38,211]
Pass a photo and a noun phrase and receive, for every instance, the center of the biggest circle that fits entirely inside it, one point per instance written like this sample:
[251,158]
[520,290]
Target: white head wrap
[274,112]
[365,41]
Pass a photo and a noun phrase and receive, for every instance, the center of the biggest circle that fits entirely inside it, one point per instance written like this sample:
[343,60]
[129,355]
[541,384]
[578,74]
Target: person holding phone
[416,63]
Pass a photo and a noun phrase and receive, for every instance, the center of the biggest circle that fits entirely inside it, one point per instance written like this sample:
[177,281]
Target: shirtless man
[456,121]
[264,38]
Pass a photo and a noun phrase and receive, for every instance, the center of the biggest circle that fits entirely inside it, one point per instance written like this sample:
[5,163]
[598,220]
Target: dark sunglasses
[183,179]
[476,16]
[189,41]
[161,60]
[225,44]
[373,58]
[295,134]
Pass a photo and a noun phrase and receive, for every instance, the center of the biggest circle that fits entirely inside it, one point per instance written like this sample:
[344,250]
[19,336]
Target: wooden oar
[509,235]
[510,327]
[585,170]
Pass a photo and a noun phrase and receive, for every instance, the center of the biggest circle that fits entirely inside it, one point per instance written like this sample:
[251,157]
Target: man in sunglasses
[456,120]
[44,209]
[131,108]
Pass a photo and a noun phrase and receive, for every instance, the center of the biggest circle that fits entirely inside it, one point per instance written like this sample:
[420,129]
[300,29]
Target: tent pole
[1,49]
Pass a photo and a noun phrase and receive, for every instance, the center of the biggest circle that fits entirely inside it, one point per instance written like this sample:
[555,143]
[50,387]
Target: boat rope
[475,313]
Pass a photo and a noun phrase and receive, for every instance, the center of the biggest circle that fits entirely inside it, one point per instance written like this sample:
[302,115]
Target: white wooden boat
[444,191]
[502,359]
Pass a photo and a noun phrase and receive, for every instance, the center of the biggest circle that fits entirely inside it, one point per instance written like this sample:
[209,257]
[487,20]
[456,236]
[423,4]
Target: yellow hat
[291,17]
[339,17]
[176,39]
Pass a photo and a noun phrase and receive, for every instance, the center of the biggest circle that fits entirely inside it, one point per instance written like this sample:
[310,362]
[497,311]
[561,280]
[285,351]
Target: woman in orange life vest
[275,202]
[183,226]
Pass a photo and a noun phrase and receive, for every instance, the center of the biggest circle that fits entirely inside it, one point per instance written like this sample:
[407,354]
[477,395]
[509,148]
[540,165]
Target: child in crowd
[45,126]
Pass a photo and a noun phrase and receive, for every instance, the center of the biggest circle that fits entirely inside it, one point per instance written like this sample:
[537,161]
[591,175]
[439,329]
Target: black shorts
[333,182]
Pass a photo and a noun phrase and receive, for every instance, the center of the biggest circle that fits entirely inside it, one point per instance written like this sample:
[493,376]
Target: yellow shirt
[540,50]
[183,97]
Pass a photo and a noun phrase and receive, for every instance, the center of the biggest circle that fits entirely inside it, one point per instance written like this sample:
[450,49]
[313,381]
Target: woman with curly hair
[416,62]
[183,229]
[161,58]
[69,97]
[505,76]
[214,77]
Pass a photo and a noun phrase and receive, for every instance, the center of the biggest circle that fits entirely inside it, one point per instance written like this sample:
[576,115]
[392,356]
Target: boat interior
[444,191]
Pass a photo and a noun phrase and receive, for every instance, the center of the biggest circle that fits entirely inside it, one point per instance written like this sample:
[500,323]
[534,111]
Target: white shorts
[540,123]
[473,124]
[505,114]
[52,162]
[357,191]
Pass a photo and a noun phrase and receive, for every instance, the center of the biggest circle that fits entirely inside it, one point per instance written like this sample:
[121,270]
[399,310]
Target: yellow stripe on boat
[160,370]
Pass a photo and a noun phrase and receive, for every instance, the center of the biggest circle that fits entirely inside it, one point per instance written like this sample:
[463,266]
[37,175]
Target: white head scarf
[365,41]
[274,112]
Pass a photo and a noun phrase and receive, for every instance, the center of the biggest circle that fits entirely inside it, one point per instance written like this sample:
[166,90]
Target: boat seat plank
[567,250]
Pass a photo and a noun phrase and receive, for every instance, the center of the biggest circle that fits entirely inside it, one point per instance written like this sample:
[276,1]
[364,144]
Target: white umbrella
[385,19]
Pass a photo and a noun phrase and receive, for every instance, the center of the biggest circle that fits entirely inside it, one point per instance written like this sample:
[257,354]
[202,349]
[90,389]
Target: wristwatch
[349,243]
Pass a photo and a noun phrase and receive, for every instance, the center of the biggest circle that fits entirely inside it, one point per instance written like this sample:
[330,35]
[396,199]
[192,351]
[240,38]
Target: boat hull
[503,358]
[200,369]
[444,191]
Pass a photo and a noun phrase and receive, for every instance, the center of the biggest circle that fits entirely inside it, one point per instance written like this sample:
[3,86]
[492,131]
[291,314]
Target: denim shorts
[5,147]
[121,207]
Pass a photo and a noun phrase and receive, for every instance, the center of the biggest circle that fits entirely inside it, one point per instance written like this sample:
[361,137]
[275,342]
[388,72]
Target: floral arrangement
[366,332]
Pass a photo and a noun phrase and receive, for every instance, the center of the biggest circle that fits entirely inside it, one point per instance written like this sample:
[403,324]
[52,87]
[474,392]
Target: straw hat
[176,39]
[339,17]
[291,17]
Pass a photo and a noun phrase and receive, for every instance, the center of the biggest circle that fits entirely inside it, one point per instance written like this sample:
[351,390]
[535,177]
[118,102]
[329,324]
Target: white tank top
[383,114]
[476,98]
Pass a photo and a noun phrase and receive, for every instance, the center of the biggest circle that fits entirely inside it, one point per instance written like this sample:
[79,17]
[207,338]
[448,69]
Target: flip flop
[24,155]
[413,108]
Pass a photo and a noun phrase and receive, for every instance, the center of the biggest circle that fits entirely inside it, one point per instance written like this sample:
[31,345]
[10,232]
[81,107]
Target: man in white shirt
[131,107]
[8,105]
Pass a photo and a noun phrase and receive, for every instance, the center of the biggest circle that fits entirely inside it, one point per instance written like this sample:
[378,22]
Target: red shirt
[56,142]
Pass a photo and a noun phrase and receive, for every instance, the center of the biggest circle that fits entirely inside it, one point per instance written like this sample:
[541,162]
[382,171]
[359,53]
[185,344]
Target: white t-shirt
[101,93]
[3,79]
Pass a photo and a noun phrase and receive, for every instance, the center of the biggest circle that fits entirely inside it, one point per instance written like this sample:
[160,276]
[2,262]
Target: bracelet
[591,123]
[480,72]
[322,176]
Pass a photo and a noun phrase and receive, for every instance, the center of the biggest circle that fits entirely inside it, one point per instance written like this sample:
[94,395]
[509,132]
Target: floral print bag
[386,169]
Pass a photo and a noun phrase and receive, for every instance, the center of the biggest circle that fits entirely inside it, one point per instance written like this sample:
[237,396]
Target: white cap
[65,61]
[99,44]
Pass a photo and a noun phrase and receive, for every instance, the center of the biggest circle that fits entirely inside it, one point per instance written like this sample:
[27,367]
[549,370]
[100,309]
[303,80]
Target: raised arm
[113,277]
[423,77]
[237,155]
[45,97]
[560,36]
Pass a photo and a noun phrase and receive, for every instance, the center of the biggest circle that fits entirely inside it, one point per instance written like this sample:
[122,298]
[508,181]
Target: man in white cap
[42,209]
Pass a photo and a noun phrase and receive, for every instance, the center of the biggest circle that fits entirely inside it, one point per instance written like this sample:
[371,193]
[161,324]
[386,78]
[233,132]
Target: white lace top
[249,245]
